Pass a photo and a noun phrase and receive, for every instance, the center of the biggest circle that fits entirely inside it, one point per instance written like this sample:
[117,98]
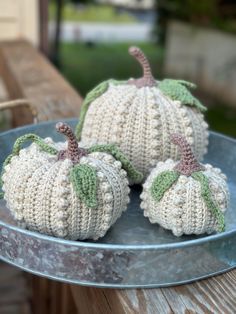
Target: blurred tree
[220,14]
[55,58]
[55,50]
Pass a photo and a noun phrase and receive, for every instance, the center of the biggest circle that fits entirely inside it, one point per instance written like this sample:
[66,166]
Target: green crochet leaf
[84,180]
[18,146]
[36,139]
[185,83]
[113,150]
[162,183]
[178,90]
[207,196]
[91,96]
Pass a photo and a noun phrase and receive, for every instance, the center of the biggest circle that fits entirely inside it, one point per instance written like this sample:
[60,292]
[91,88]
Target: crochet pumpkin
[65,191]
[186,197]
[139,115]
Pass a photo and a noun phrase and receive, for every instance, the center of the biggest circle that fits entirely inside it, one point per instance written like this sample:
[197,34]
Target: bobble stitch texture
[65,191]
[144,113]
[185,197]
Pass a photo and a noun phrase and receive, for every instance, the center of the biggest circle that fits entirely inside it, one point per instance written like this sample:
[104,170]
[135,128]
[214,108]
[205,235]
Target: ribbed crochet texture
[134,175]
[90,97]
[63,199]
[18,146]
[207,196]
[183,196]
[186,206]
[140,121]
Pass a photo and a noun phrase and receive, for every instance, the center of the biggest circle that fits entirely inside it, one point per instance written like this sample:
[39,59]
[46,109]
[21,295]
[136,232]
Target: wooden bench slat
[27,74]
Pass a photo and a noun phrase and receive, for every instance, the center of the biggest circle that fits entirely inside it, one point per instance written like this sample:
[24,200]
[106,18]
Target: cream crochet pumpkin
[140,114]
[66,192]
[186,197]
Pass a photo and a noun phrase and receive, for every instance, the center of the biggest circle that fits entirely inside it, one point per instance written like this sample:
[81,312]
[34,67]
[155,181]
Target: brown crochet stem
[147,79]
[73,151]
[188,163]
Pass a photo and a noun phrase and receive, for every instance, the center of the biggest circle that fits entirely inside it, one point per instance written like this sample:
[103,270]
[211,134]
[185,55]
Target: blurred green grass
[91,13]
[84,67]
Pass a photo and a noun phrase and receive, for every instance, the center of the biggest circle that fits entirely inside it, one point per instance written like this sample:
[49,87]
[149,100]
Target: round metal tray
[134,253]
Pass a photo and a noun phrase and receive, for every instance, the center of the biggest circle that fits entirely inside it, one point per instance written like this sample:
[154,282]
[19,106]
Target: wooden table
[29,75]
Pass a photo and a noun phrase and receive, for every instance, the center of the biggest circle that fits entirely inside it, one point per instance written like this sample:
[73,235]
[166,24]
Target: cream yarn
[182,208]
[39,193]
[140,120]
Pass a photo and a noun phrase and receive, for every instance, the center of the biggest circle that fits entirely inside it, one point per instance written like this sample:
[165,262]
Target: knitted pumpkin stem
[73,151]
[147,79]
[188,163]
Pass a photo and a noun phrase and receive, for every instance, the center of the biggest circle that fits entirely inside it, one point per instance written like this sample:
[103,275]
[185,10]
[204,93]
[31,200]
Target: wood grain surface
[28,74]
[216,295]
[14,292]
[50,297]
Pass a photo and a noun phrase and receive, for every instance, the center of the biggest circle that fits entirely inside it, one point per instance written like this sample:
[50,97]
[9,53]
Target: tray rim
[117,246]
[118,286]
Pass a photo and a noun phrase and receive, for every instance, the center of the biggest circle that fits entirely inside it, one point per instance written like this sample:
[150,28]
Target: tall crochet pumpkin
[186,197]
[140,114]
[65,191]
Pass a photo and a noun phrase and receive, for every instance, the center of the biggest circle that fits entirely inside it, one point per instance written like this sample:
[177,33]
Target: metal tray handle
[18,103]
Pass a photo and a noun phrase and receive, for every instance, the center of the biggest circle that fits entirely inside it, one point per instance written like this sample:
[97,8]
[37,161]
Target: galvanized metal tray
[134,253]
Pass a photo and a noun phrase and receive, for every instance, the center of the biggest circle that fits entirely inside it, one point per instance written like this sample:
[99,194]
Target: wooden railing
[28,75]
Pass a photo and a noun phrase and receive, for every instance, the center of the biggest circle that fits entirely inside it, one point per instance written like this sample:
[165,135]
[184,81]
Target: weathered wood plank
[27,74]
[67,303]
[91,301]
[40,294]
[39,82]
[107,301]
[14,292]
[50,297]
[216,295]
[148,301]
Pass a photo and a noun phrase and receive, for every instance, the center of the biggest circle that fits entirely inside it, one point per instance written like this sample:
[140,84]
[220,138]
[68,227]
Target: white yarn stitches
[39,194]
[140,121]
[182,208]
